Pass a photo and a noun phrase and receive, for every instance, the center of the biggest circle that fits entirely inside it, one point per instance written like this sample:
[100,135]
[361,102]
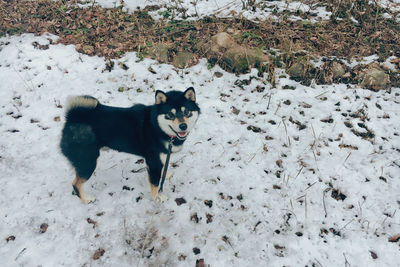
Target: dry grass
[112,32]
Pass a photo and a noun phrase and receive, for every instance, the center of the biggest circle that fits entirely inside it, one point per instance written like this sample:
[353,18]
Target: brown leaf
[208,203]
[10,238]
[373,255]
[92,222]
[235,110]
[394,238]
[200,263]
[209,217]
[194,218]
[43,227]
[100,252]
[180,201]
[279,163]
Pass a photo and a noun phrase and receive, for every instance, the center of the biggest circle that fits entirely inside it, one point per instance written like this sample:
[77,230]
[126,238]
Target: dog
[143,130]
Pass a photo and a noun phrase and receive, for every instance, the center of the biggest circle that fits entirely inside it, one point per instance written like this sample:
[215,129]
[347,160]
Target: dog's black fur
[133,130]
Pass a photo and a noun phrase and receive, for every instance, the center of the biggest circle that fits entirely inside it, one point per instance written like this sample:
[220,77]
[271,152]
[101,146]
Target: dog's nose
[183,126]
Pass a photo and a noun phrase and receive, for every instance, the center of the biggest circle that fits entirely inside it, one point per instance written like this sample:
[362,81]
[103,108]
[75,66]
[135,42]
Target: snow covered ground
[258,10]
[271,177]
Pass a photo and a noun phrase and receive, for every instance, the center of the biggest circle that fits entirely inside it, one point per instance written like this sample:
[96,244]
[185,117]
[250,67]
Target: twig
[311,185]
[19,254]
[321,94]
[346,263]
[323,200]
[347,157]
[145,239]
[305,206]
[288,177]
[299,172]
[269,100]
[279,105]
[252,158]
[284,124]
[346,225]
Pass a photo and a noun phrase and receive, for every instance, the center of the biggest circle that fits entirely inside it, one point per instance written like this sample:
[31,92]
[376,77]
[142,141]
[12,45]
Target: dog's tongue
[182,134]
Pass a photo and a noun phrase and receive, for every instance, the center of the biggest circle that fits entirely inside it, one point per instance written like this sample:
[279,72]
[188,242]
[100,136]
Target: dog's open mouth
[180,135]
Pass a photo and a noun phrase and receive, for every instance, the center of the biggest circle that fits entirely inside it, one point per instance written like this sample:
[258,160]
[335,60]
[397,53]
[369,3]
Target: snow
[222,161]
[195,9]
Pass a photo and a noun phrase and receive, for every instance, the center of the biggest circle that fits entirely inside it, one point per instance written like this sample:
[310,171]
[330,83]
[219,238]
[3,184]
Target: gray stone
[184,59]
[234,57]
[374,78]
[160,52]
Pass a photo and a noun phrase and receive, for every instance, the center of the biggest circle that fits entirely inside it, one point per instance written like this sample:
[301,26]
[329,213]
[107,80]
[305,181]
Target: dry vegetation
[112,32]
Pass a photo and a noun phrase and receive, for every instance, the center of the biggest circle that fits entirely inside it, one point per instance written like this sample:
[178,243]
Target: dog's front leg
[154,167]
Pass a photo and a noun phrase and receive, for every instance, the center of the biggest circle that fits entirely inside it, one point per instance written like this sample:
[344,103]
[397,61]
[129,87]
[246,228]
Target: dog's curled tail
[83,101]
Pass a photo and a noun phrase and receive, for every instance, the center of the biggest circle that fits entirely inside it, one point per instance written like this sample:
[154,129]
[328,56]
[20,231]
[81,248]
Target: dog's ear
[190,94]
[161,97]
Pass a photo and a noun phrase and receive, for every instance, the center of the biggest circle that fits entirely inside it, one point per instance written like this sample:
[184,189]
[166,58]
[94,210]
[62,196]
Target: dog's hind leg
[77,185]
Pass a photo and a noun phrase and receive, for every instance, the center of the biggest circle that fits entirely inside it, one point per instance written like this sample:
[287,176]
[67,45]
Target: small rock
[337,70]
[297,70]
[184,59]
[374,78]
[222,40]
[218,74]
[160,52]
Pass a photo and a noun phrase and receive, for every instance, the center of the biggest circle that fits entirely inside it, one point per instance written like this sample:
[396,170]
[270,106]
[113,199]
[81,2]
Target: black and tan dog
[141,130]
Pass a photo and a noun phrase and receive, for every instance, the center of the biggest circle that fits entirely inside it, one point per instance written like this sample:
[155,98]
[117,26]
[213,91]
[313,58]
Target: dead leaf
[180,201]
[395,238]
[10,238]
[43,227]
[100,252]
[90,221]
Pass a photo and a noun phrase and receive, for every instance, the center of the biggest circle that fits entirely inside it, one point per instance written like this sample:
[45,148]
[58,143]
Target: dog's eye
[170,116]
[187,113]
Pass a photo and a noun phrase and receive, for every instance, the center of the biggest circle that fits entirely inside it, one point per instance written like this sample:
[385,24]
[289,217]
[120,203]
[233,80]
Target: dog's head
[177,112]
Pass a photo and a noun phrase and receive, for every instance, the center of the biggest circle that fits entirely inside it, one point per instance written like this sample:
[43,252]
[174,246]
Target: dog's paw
[160,198]
[169,175]
[88,199]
